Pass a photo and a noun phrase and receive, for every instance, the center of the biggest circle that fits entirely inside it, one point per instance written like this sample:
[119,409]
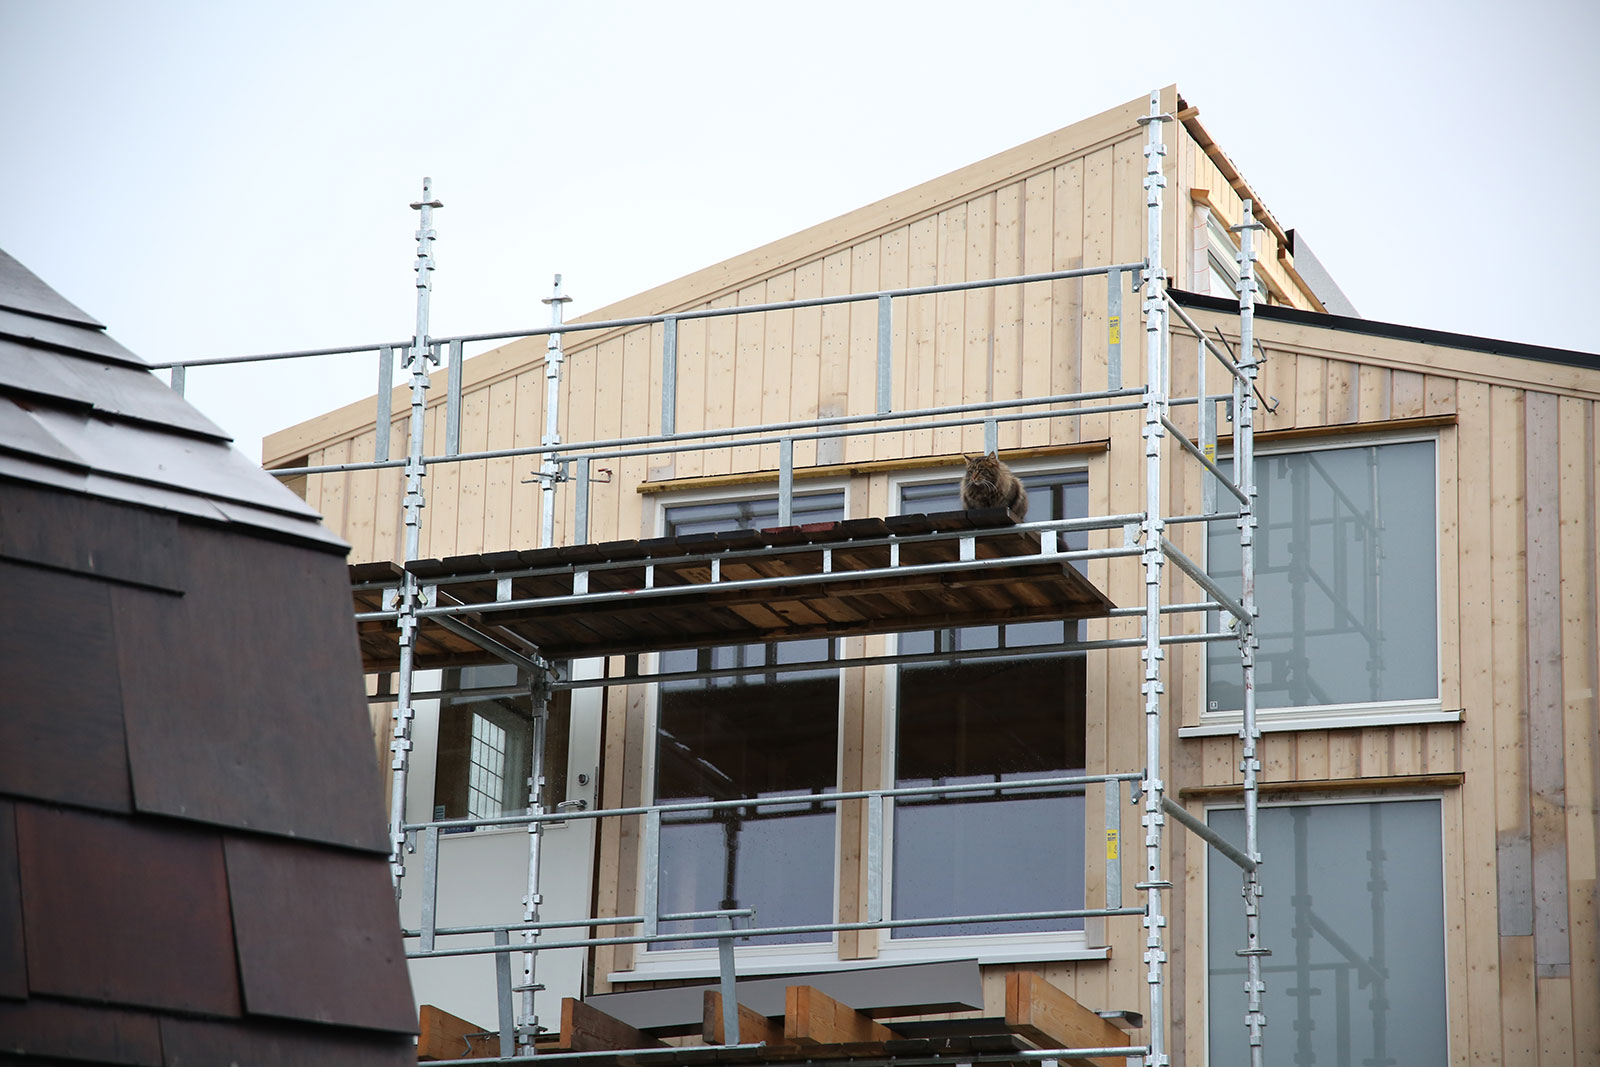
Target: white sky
[224,178]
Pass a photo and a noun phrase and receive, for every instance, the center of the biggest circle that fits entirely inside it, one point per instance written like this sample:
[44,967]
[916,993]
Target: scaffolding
[466,604]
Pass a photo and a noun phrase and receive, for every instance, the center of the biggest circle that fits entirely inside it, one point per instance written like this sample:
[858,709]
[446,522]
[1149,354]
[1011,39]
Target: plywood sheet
[338,961]
[243,699]
[61,732]
[126,912]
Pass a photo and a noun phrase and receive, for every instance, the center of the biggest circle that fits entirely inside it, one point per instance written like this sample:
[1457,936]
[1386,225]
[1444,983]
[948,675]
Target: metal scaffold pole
[539,692]
[550,468]
[1155,414]
[1249,732]
[418,357]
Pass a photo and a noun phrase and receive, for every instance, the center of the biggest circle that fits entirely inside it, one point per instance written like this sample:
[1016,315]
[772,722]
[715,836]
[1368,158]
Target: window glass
[1354,916]
[486,744]
[991,720]
[755,734]
[1345,580]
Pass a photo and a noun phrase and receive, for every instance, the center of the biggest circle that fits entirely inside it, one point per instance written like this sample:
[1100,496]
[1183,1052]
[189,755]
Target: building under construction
[719,730]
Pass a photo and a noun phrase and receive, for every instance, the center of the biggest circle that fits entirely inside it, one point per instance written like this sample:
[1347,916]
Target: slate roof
[81,413]
[193,863]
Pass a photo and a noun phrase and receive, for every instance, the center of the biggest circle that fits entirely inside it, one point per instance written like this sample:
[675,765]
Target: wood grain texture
[1049,1018]
[443,1036]
[753,1026]
[588,1029]
[811,1017]
[1546,743]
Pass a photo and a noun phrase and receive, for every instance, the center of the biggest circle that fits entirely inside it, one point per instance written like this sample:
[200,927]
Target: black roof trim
[1347,324]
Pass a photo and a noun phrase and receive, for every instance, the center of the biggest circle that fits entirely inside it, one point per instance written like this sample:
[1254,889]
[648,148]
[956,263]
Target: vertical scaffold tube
[528,1031]
[548,470]
[1155,410]
[1250,734]
[417,358]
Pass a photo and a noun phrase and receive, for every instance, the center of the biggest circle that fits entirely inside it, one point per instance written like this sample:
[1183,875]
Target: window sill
[1335,717]
[705,966]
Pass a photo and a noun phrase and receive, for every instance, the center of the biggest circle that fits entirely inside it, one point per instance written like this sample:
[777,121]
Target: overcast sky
[214,178]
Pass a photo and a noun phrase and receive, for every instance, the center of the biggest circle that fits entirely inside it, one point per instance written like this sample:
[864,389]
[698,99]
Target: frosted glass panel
[1345,580]
[1354,916]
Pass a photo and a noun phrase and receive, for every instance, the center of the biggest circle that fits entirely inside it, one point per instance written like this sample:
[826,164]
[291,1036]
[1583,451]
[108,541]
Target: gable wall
[1517,517]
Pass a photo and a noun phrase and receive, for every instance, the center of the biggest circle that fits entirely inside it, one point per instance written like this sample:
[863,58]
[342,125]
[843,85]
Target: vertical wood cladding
[1517,525]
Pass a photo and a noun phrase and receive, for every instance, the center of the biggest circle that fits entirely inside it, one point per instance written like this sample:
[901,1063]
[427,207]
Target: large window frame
[904,946]
[671,959]
[1217,721]
[1223,1011]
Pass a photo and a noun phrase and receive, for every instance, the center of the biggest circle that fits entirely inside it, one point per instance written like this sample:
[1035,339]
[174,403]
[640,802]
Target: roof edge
[1397,331]
[717,280]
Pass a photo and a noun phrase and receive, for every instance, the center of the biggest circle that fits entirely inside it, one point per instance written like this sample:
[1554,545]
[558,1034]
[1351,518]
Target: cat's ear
[994,456]
[968,458]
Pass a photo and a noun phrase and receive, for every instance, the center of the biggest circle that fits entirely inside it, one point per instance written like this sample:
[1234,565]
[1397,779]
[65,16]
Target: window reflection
[1345,580]
[992,720]
[755,734]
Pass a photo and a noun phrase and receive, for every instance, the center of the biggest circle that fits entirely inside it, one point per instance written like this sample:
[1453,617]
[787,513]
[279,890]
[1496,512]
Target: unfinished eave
[836,579]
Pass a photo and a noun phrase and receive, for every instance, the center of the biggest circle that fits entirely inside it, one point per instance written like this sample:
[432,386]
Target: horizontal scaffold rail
[664,317]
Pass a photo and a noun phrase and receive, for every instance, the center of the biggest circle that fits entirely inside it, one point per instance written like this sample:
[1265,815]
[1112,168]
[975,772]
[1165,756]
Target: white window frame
[1212,1010]
[1338,716]
[986,948]
[666,962]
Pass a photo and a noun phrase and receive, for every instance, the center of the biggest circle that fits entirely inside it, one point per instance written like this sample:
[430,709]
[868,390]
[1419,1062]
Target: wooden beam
[753,1026]
[811,1017]
[1044,1015]
[443,1036]
[586,1029]
[1443,780]
[873,466]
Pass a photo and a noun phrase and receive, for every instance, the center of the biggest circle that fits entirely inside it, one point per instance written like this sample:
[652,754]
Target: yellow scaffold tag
[1116,329]
[1111,844]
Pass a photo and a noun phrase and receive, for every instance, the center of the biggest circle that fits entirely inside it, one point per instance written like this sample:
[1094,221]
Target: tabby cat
[989,483]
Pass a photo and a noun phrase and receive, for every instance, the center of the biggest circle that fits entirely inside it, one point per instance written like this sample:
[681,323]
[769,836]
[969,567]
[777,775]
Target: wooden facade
[1512,750]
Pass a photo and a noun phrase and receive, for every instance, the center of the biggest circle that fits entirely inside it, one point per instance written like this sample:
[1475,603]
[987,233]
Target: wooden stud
[449,1037]
[588,1029]
[1044,1015]
[753,1026]
[811,1017]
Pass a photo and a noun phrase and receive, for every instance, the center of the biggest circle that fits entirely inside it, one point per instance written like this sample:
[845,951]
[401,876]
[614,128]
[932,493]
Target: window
[1346,580]
[1354,916]
[1221,257]
[747,735]
[1011,717]
[486,744]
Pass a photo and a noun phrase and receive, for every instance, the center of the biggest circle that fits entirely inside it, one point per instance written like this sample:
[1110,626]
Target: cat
[989,483]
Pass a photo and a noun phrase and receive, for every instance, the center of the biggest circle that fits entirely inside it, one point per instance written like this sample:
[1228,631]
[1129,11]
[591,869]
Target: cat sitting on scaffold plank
[989,483]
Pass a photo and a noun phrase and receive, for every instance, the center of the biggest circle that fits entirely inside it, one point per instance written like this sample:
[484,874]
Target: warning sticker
[1116,329]
[1111,844]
